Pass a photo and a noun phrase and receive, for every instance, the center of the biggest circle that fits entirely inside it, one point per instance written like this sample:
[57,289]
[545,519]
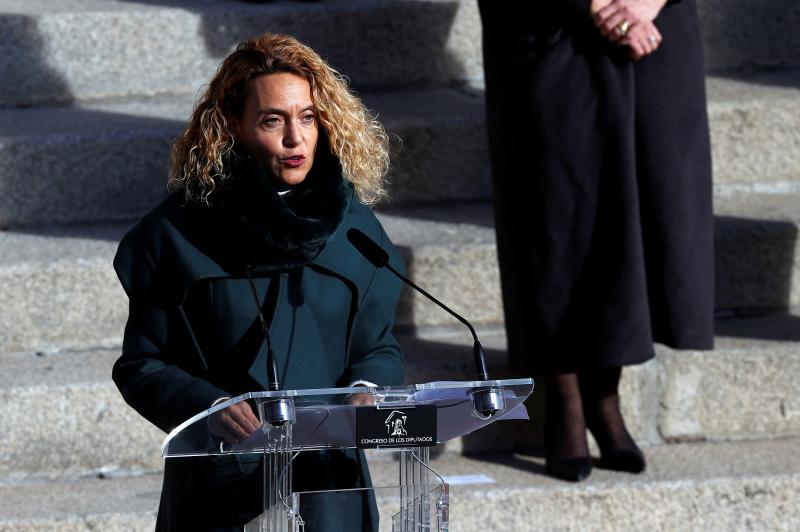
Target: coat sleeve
[581,5]
[152,377]
[375,355]
[584,6]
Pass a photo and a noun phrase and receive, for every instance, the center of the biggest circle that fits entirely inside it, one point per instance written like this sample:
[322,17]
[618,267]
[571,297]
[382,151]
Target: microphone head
[367,247]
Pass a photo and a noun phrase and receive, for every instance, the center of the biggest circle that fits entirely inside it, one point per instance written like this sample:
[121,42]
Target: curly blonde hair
[354,134]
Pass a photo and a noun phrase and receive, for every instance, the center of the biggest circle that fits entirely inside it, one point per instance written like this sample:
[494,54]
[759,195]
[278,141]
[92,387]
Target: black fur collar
[274,232]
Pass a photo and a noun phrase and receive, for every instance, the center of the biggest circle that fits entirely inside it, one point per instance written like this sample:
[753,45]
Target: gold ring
[622,29]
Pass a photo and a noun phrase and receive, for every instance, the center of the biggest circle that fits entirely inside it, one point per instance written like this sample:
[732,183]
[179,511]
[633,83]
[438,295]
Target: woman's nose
[292,136]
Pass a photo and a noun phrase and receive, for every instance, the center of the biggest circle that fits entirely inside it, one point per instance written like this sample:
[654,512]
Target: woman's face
[279,125]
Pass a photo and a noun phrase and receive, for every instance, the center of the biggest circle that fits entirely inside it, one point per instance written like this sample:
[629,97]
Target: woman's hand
[619,17]
[597,5]
[642,39]
[361,399]
[234,424]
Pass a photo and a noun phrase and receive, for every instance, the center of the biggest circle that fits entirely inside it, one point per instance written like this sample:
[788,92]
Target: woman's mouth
[294,161]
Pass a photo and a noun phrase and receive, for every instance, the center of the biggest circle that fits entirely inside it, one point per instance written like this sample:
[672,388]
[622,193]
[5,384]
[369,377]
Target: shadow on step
[28,78]
[463,212]
[749,35]
[450,358]
[532,462]
[777,77]
[780,326]
[110,232]
[756,278]
[115,167]
[419,31]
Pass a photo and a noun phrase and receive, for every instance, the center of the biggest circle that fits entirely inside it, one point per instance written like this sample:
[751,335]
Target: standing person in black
[602,180]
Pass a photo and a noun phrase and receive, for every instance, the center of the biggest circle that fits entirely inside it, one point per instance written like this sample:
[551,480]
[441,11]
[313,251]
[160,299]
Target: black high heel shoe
[629,459]
[563,418]
[618,450]
[572,469]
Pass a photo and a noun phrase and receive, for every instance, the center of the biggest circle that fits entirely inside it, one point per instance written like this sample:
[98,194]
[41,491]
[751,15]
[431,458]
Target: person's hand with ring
[361,399]
[234,424]
[642,39]
[618,18]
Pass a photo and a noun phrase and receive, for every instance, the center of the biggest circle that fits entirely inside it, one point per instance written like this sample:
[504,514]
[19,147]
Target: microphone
[487,402]
[370,249]
[278,411]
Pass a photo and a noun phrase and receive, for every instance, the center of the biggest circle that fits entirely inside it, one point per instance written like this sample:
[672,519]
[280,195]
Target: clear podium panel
[407,419]
[428,512]
[327,418]
[417,501]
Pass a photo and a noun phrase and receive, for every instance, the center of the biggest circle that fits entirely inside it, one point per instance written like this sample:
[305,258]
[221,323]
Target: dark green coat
[193,335]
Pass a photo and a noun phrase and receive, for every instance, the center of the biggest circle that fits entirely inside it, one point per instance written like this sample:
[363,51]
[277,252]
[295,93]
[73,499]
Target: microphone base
[487,402]
[277,412]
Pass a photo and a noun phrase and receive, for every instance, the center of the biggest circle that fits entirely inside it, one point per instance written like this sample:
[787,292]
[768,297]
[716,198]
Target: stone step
[81,504]
[743,390]
[61,415]
[87,49]
[687,487]
[451,252]
[709,487]
[58,289]
[747,35]
[84,49]
[755,131]
[757,249]
[108,160]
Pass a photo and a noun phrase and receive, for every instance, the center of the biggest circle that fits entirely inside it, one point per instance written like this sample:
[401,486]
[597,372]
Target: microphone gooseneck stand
[280,410]
[486,401]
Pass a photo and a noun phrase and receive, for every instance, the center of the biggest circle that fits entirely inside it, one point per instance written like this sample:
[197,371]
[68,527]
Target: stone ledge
[58,289]
[687,487]
[109,160]
[95,49]
[62,415]
[741,34]
[755,130]
[143,48]
[68,397]
[743,390]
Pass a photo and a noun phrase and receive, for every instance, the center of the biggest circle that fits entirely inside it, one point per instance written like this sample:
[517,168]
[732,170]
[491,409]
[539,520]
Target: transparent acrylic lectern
[407,419]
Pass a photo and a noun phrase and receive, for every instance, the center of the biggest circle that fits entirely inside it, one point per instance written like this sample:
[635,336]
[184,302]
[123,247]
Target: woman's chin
[292,178]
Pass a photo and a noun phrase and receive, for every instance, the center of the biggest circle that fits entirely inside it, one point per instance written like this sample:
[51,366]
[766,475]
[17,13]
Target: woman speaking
[278,161]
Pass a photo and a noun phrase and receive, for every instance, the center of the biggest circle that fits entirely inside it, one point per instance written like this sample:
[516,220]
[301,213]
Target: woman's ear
[237,146]
[323,147]
[234,129]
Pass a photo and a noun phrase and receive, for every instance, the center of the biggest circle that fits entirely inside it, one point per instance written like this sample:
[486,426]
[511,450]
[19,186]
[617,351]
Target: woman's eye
[270,122]
[308,119]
